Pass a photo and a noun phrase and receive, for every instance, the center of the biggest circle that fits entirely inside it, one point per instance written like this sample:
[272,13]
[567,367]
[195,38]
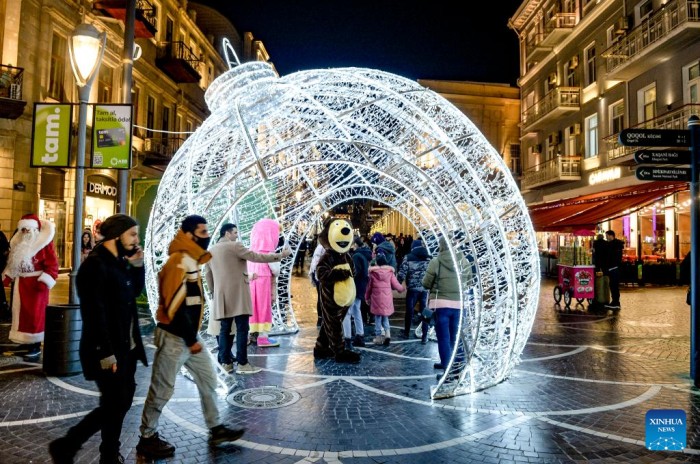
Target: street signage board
[655,138]
[111,136]
[51,135]
[668,174]
[662,156]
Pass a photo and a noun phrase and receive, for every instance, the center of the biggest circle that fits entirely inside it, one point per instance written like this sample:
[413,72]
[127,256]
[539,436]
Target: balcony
[655,40]
[676,119]
[559,169]
[558,102]
[146,23]
[11,103]
[179,62]
[159,151]
[557,28]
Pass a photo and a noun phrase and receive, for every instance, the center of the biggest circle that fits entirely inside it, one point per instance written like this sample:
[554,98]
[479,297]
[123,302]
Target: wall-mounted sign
[111,136]
[604,175]
[102,187]
[51,134]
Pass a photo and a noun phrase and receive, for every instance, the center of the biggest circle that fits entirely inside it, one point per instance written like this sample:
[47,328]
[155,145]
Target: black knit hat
[114,226]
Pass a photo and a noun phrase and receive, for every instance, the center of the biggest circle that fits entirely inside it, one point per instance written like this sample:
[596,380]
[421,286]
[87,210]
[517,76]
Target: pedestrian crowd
[241,284]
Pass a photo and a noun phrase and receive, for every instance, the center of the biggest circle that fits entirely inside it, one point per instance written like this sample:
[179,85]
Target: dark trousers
[226,341]
[614,279]
[414,296]
[319,311]
[446,327]
[242,328]
[117,391]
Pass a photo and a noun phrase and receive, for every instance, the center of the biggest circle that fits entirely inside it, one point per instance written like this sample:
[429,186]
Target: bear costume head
[336,235]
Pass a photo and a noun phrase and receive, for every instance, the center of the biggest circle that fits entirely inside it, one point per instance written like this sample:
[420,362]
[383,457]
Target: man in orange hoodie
[180,311]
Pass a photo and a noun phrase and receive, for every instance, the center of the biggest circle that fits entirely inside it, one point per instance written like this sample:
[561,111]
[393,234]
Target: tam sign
[604,175]
[51,134]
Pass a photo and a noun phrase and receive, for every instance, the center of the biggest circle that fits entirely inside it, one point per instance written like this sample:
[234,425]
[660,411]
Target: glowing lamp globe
[293,147]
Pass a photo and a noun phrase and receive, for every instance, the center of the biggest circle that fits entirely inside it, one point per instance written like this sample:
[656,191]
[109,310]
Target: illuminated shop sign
[604,175]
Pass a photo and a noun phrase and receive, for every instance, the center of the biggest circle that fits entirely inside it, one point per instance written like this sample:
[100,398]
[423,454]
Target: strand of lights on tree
[294,147]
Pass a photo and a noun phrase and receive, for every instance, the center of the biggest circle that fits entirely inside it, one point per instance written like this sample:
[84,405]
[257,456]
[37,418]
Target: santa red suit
[33,266]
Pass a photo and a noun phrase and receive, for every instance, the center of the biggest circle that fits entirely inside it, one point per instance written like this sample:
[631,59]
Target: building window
[643,9]
[57,68]
[104,84]
[165,122]
[150,116]
[617,117]
[646,100]
[515,159]
[589,70]
[571,67]
[592,136]
[691,83]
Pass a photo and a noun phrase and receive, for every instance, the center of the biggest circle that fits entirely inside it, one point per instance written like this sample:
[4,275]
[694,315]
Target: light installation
[291,148]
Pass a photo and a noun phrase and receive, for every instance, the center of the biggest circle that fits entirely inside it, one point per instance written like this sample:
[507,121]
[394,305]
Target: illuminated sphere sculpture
[291,148]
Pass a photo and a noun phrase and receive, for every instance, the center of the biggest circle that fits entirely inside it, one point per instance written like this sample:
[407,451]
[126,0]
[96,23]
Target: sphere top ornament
[291,148]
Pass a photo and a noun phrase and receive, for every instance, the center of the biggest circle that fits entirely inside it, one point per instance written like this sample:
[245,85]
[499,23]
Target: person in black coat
[109,280]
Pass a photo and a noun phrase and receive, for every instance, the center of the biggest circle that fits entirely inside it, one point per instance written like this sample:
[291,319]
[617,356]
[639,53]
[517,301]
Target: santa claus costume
[33,266]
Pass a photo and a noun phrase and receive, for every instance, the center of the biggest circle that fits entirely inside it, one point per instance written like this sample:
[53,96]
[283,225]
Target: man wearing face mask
[109,280]
[180,311]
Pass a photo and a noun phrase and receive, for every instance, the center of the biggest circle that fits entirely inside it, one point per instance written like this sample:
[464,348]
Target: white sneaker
[227,367]
[247,369]
[378,340]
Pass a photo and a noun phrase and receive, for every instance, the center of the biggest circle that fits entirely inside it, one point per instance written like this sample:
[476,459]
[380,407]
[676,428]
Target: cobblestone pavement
[580,394]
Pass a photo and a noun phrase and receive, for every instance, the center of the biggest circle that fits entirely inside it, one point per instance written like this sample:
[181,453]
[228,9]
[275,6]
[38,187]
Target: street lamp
[86,46]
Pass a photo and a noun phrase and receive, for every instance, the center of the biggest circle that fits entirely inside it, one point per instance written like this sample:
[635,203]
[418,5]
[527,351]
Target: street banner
[111,136]
[51,135]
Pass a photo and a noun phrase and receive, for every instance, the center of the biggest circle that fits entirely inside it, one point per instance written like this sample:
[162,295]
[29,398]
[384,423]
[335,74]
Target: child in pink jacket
[381,302]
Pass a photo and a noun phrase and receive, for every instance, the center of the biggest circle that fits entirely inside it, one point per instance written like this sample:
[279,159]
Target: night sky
[415,39]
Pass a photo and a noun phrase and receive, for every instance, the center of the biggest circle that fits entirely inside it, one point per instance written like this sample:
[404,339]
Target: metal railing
[561,97]
[148,12]
[556,22]
[180,51]
[165,147]
[552,170]
[652,30]
[11,82]
[676,119]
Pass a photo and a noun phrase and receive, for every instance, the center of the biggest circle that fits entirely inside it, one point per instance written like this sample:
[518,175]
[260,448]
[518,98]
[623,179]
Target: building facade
[181,54]
[588,70]
[494,109]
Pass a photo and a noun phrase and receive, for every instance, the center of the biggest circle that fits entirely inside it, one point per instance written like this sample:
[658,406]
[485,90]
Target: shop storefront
[652,220]
[100,200]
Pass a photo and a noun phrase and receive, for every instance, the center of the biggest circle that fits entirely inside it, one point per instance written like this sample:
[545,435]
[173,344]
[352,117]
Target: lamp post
[86,46]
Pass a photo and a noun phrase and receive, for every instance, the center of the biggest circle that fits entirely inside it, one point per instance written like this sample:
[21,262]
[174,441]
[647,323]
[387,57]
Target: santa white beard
[21,254]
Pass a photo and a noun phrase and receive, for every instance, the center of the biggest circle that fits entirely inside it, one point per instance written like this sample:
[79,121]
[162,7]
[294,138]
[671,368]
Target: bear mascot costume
[335,273]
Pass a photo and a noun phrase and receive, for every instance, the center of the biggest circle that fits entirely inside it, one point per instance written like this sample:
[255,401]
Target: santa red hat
[29,221]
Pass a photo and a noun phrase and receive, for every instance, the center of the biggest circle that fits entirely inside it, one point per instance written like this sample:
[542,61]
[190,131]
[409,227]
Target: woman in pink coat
[381,301]
[263,239]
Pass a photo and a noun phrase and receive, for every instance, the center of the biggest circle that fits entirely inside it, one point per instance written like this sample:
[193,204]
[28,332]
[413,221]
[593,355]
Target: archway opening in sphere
[291,148]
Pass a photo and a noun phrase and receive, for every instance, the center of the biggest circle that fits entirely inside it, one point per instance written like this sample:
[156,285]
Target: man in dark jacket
[412,271]
[109,280]
[361,256]
[614,261]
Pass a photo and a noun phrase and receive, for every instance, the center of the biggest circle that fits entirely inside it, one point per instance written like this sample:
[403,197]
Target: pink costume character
[263,239]
[33,266]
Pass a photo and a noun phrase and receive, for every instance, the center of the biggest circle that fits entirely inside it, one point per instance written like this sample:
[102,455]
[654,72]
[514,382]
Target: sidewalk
[580,394]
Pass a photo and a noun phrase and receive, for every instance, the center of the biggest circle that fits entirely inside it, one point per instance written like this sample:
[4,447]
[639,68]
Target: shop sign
[604,175]
[662,156]
[111,136]
[51,134]
[655,138]
[668,174]
[102,187]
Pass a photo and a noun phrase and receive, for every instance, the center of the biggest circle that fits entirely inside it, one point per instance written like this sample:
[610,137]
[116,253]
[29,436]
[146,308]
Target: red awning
[585,211]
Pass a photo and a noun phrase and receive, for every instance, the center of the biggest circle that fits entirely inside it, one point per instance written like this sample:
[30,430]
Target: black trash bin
[64,325]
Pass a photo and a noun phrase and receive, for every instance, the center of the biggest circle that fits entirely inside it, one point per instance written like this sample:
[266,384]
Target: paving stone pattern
[580,395]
